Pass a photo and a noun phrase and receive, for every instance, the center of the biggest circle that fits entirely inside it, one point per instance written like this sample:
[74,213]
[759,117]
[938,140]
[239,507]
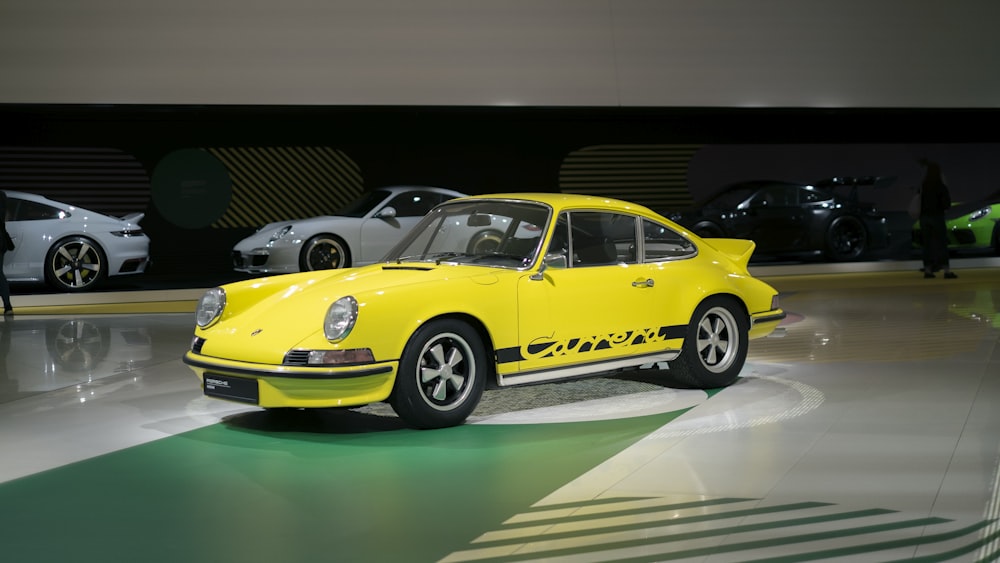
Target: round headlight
[340,318]
[210,307]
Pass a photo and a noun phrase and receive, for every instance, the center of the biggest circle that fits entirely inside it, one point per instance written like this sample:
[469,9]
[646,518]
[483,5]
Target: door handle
[643,283]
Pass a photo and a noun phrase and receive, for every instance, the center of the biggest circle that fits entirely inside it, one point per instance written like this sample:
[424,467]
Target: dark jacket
[934,196]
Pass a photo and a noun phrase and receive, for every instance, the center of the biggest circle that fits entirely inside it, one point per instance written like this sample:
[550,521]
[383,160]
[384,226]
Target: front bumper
[278,386]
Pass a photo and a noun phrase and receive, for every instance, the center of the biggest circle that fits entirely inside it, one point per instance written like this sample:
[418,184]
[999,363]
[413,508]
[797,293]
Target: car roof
[35,197]
[406,188]
[560,201]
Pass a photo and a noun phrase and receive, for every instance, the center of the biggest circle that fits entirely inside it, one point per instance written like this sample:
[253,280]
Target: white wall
[672,53]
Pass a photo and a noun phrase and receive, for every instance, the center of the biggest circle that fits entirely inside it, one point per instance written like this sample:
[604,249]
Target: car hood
[303,228]
[266,317]
[311,221]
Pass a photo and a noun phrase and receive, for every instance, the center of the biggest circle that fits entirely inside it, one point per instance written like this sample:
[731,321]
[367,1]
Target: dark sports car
[791,217]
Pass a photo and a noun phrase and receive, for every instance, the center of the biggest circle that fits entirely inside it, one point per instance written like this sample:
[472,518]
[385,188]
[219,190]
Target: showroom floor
[869,432]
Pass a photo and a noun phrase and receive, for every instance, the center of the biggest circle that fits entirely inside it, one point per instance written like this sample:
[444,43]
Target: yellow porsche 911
[499,290]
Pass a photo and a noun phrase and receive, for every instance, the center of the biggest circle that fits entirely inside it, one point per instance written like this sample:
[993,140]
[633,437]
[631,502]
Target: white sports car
[70,248]
[359,234]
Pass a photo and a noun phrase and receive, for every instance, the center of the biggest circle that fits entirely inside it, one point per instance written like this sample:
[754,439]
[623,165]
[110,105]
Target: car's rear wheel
[846,239]
[485,242]
[324,252]
[442,374]
[75,264]
[715,347]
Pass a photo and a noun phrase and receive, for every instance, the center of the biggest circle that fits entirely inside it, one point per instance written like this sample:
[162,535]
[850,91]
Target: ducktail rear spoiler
[736,249]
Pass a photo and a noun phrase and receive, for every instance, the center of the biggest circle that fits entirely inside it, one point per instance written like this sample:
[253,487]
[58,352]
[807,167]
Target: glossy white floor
[869,432]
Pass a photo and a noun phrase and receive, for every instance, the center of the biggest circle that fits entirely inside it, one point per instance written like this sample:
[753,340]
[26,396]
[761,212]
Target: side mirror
[388,212]
[555,260]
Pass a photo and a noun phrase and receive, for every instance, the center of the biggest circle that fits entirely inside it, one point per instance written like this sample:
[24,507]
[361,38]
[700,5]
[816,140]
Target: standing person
[934,201]
[5,245]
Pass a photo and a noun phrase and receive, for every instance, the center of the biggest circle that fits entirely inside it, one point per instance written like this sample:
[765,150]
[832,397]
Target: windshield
[495,233]
[364,204]
[729,199]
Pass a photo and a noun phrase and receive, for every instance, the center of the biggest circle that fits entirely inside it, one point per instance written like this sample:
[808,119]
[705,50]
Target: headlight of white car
[340,318]
[210,307]
[280,233]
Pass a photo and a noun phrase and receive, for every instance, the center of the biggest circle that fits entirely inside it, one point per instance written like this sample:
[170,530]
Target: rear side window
[663,243]
[24,210]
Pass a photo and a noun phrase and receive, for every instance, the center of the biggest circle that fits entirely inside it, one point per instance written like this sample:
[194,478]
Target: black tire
[846,239]
[75,264]
[708,229]
[996,239]
[715,347]
[324,252]
[441,375]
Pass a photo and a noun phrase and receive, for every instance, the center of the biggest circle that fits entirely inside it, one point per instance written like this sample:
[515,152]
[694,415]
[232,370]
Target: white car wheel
[75,264]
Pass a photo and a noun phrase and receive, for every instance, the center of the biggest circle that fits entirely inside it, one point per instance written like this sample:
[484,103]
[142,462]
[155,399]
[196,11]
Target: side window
[663,243]
[812,196]
[600,238]
[415,204]
[23,210]
[772,196]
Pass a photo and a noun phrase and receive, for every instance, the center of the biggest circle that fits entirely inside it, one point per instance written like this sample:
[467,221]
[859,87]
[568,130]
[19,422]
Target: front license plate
[232,388]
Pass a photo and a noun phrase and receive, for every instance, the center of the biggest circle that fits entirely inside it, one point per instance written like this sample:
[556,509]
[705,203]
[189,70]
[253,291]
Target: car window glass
[730,199]
[773,196]
[557,254]
[415,203]
[807,195]
[601,239]
[363,204]
[24,210]
[663,243]
[487,233]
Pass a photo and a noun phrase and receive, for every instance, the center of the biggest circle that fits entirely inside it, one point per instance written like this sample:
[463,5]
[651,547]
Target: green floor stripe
[317,488]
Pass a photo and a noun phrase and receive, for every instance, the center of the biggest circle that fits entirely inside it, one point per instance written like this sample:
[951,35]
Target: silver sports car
[359,234]
[70,248]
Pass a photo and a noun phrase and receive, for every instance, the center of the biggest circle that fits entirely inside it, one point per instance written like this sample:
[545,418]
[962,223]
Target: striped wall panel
[651,175]
[279,183]
[100,179]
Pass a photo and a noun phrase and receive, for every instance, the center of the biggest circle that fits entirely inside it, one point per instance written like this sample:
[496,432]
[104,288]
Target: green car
[972,226]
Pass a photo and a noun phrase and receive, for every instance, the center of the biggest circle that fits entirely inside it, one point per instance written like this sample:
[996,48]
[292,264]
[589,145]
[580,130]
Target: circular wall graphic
[191,188]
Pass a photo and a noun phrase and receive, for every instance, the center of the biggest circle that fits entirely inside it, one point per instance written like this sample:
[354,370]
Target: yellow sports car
[499,290]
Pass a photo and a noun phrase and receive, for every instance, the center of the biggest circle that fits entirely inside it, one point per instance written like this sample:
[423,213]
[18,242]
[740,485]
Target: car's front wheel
[442,374]
[75,264]
[715,347]
[324,252]
[846,239]
[708,229]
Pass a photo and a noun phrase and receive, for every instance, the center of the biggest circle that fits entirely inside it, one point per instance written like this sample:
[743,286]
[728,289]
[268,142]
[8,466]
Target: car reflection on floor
[44,354]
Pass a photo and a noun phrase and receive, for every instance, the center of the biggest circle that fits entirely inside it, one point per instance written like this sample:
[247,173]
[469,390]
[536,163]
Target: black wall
[472,149]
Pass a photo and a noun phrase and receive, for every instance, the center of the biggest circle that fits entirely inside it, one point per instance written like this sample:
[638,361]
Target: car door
[593,302]
[31,226]
[385,227]
[772,218]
